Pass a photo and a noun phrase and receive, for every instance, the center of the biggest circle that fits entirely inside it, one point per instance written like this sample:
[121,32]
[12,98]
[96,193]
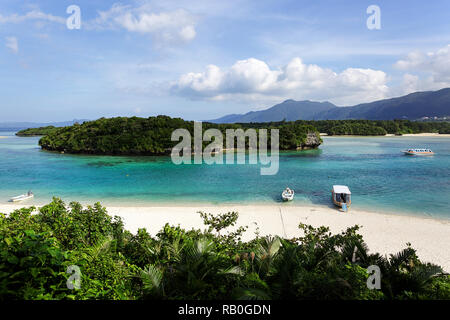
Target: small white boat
[418,152]
[22,197]
[287,194]
[341,196]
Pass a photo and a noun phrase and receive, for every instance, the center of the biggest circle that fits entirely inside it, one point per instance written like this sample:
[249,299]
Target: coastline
[426,135]
[383,233]
[390,135]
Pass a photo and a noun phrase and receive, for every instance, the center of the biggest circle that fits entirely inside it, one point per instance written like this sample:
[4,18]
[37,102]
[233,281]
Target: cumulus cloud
[168,27]
[31,15]
[12,44]
[253,79]
[434,66]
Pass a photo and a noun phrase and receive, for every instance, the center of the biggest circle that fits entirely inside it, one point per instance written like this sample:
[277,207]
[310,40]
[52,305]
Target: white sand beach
[383,233]
[441,135]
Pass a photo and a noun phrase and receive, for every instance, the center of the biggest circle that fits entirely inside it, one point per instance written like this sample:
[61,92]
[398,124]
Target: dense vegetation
[42,131]
[152,136]
[37,249]
[378,127]
[367,127]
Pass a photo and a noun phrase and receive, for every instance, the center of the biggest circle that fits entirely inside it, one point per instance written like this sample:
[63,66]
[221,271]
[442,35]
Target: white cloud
[35,14]
[253,79]
[435,67]
[410,83]
[13,44]
[168,26]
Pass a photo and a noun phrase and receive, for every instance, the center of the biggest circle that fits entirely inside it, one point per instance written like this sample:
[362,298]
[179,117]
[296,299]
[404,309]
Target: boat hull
[340,203]
[287,197]
[20,198]
[418,153]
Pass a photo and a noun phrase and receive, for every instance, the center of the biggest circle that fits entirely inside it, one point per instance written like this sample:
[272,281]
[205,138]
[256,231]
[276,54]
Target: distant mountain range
[25,125]
[412,107]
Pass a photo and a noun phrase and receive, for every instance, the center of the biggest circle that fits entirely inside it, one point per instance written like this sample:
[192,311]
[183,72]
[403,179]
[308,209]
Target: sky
[200,60]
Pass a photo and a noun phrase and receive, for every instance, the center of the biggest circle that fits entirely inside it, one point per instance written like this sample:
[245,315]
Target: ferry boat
[418,152]
[341,196]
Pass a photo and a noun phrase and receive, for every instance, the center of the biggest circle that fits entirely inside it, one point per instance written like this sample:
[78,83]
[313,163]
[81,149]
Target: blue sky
[204,59]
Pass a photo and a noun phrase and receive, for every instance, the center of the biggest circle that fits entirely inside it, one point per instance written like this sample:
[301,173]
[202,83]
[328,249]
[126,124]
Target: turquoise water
[379,176]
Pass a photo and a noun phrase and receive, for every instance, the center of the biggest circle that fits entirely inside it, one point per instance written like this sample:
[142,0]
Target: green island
[37,249]
[34,132]
[152,136]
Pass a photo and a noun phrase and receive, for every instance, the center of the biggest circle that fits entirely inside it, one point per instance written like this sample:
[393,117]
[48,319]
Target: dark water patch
[104,164]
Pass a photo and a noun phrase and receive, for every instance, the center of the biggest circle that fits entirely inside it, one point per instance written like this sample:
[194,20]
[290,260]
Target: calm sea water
[379,176]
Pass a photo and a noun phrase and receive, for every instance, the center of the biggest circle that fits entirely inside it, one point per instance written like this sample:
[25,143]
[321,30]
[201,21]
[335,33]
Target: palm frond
[423,273]
[100,248]
[251,294]
[152,278]
[236,270]
[401,258]
[269,247]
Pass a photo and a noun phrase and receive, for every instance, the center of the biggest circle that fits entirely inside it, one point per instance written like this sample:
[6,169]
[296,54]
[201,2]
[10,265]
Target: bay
[380,177]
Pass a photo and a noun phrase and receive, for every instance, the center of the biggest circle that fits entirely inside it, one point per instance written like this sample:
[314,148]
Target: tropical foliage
[376,127]
[42,131]
[38,247]
[365,127]
[152,136]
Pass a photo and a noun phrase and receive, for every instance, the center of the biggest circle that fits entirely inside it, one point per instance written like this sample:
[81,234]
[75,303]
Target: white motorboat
[22,197]
[287,194]
[418,152]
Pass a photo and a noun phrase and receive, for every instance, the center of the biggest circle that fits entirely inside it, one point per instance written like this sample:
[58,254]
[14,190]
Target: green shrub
[37,247]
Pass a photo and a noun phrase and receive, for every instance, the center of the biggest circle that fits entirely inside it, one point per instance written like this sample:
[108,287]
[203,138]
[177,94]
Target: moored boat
[341,196]
[22,197]
[418,152]
[287,194]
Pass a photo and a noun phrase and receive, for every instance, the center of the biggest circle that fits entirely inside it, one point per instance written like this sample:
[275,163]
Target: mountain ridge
[17,125]
[412,106]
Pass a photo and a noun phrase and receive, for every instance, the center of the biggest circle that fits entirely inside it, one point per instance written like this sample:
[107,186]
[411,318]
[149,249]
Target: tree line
[152,136]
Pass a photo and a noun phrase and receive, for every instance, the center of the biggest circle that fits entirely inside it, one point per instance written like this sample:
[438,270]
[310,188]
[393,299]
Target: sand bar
[384,233]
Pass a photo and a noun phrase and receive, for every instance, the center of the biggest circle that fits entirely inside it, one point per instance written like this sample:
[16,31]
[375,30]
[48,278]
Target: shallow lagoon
[380,177]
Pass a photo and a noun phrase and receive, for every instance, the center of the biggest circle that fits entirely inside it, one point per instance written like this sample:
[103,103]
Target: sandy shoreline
[383,233]
[426,135]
